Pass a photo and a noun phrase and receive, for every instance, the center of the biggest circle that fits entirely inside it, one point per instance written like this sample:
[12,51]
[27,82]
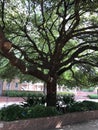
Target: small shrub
[65,93]
[75,107]
[91,89]
[34,100]
[63,100]
[93,96]
[12,112]
[82,106]
[42,111]
[15,93]
[66,98]
[91,105]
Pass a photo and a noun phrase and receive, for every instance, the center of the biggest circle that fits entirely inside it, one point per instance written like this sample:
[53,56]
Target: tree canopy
[45,38]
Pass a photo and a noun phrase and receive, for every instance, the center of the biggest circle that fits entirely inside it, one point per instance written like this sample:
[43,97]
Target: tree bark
[51,92]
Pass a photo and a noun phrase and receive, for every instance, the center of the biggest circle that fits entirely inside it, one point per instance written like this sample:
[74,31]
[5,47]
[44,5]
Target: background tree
[45,38]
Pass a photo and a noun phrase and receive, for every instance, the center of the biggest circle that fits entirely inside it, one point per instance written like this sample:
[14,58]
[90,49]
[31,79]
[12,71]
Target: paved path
[10,99]
[80,95]
[5,101]
[91,125]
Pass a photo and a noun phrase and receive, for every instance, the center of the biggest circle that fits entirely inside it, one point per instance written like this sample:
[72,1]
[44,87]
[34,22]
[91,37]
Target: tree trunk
[51,92]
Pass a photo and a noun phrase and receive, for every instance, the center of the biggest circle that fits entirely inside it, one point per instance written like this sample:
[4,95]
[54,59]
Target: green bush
[90,105]
[12,112]
[34,100]
[15,93]
[67,98]
[16,112]
[65,93]
[91,89]
[64,100]
[77,106]
[93,96]
[82,106]
[42,111]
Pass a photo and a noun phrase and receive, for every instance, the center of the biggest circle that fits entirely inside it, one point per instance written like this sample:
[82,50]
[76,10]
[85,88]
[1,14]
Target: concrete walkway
[6,101]
[5,104]
[91,125]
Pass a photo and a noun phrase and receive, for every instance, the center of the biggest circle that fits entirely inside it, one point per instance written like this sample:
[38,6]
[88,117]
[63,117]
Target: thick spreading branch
[5,47]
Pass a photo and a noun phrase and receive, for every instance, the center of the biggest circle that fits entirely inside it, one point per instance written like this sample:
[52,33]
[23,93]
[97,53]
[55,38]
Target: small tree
[45,38]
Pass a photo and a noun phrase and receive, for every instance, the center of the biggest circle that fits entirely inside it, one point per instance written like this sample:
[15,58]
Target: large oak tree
[45,38]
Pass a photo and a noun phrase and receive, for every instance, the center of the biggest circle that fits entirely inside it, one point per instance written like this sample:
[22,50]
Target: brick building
[15,84]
